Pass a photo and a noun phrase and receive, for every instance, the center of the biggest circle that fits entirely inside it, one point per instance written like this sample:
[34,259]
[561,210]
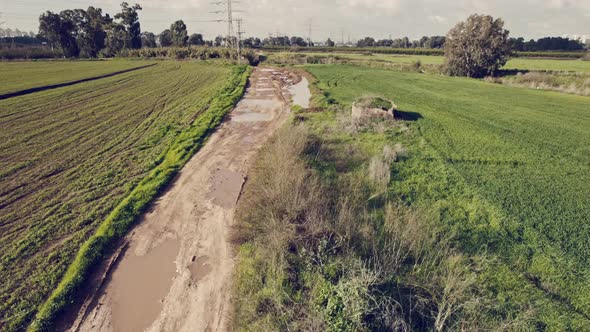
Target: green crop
[506,171]
[80,163]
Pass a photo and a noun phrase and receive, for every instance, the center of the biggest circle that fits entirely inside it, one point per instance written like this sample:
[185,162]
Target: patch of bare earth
[175,273]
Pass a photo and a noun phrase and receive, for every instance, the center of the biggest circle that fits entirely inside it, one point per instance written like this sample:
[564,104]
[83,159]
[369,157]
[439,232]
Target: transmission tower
[240,33]
[228,11]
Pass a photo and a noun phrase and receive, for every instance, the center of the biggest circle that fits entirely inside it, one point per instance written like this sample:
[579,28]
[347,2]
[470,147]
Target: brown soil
[176,273]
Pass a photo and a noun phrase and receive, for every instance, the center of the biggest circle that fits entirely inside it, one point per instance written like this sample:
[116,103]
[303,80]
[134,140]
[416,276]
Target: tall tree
[178,33]
[70,22]
[477,47]
[130,19]
[366,42]
[330,43]
[49,28]
[165,38]
[196,39]
[148,39]
[116,39]
[93,35]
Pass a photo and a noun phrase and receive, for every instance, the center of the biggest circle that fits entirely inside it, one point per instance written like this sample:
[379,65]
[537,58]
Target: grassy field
[515,63]
[22,75]
[505,171]
[69,156]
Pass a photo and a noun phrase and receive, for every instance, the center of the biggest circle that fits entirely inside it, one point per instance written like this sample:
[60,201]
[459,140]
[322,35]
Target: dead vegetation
[571,83]
[325,250]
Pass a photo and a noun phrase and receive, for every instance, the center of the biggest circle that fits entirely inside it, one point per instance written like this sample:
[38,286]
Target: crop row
[71,156]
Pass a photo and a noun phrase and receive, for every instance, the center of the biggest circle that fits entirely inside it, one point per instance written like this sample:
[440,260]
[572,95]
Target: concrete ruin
[373,107]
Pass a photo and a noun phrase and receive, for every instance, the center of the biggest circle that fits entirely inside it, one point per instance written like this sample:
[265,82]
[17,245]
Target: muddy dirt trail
[175,271]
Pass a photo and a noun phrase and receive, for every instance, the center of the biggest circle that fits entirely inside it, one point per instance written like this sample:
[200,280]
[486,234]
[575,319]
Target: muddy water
[184,284]
[140,286]
[300,93]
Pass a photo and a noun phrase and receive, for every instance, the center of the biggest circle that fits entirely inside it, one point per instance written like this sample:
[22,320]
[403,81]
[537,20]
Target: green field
[515,63]
[505,170]
[69,156]
[22,75]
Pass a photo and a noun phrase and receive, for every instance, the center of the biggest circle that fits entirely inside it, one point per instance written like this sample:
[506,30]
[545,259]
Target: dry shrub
[316,256]
[280,187]
[379,170]
[434,283]
[571,83]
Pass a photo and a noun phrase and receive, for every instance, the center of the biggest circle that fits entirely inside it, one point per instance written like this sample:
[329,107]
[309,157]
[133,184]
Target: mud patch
[251,117]
[300,93]
[225,187]
[140,284]
[200,268]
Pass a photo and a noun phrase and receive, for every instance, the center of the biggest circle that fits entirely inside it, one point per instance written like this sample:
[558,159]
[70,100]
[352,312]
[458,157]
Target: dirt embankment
[175,271]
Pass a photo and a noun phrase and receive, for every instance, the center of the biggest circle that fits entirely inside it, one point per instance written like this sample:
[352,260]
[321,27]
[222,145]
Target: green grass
[22,75]
[80,163]
[549,64]
[505,170]
[515,63]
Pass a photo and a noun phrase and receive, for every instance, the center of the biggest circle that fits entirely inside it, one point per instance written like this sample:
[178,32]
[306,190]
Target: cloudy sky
[333,18]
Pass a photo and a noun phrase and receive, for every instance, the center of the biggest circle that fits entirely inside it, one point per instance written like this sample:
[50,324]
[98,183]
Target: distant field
[68,156]
[507,170]
[22,75]
[515,63]
[549,64]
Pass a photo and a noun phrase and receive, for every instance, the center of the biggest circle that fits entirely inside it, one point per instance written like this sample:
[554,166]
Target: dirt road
[175,273]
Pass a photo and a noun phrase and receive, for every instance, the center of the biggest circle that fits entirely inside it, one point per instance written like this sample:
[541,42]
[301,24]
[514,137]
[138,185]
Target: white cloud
[387,5]
[562,4]
[437,19]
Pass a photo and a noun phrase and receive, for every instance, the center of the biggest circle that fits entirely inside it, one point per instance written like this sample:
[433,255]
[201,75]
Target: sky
[337,19]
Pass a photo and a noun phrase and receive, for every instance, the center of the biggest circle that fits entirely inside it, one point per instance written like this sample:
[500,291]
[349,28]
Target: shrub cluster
[322,248]
[199,53]
[29,53]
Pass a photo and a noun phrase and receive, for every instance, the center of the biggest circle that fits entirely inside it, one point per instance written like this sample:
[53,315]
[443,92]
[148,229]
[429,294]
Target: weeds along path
[174,272]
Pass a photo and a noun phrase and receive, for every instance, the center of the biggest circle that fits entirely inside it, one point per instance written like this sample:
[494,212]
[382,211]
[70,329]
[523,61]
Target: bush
[29,53]
[319,252]
[191,52]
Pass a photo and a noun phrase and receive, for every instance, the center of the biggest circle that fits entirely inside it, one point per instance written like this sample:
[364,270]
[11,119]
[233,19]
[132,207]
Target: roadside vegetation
[80,163]
[494,198]
[429,62]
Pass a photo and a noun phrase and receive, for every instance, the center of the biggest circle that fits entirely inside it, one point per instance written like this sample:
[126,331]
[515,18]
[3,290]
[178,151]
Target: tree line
[405,42]
[546,44]
[92,33]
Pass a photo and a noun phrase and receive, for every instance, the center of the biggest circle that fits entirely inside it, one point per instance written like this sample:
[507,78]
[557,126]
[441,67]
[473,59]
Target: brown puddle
[200,268]
[139,285]
[225,187]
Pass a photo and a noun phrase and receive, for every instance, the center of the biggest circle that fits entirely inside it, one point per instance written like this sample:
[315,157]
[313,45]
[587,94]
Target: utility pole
[342,37]
[239,21]
[309,26]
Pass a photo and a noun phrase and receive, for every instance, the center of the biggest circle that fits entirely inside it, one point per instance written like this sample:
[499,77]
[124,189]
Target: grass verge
[324,247]
[454,230]
[123,217]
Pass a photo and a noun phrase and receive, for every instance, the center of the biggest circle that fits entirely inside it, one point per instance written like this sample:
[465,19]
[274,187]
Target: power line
[229,11]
